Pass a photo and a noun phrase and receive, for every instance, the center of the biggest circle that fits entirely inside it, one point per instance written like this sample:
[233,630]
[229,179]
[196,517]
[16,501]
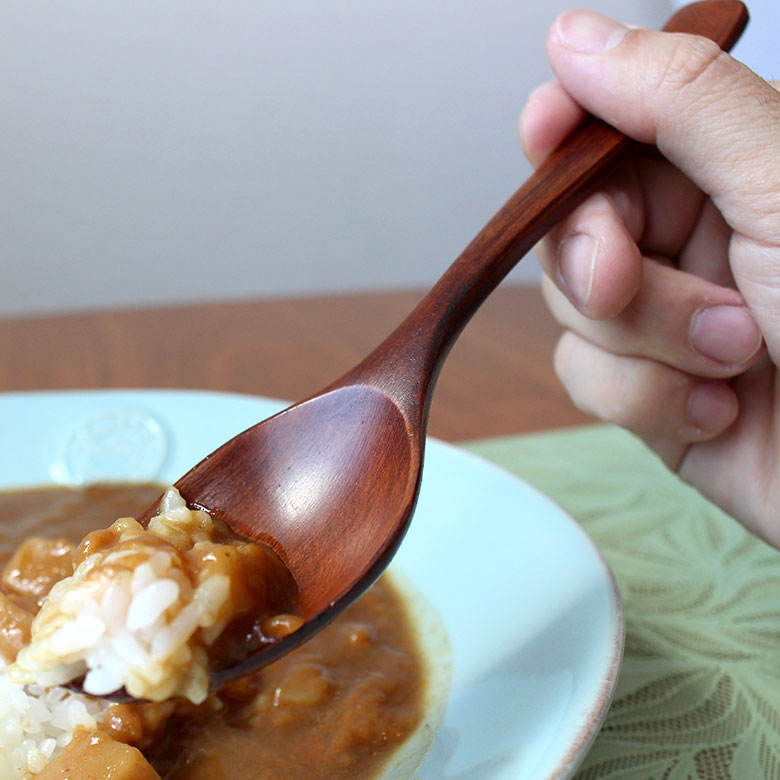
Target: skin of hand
[667,279]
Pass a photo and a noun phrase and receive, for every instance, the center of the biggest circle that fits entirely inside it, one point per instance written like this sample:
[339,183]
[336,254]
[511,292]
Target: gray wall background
[185,150]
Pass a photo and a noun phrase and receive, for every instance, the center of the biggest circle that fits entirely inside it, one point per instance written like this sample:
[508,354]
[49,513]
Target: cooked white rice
[37,723]
[133,614]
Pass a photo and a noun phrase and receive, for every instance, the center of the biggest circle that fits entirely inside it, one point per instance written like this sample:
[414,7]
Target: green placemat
[699,691]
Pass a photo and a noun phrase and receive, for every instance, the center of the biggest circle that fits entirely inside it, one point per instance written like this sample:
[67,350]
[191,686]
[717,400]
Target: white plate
[533,614]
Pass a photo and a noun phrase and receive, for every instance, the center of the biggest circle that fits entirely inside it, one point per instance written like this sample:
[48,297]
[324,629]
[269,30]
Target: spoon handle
[424,338]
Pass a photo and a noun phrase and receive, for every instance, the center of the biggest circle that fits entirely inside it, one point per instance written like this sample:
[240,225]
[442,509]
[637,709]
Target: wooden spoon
[331,482]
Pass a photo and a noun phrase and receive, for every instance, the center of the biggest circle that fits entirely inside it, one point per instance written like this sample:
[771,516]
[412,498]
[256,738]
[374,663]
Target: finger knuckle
[691,63]
[578,364]
[622,407]
[563,357]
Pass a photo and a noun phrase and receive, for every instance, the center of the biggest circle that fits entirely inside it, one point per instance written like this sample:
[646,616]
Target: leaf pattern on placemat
[699,692]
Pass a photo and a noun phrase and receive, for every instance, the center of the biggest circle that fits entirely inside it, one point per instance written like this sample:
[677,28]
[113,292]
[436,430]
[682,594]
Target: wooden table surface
[498,380]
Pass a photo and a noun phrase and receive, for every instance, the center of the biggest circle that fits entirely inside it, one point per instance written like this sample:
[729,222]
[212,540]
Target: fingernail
[711,406]
[577,267]
[589,32]
[728,334]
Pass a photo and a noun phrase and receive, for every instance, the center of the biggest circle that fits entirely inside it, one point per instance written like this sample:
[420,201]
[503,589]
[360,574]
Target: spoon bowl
[330,483]
[341,473]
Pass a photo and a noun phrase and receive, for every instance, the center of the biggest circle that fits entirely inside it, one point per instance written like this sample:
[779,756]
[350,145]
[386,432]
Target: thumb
[707,113]
[712,117]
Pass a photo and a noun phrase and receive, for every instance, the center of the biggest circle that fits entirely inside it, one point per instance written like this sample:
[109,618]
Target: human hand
[667,279]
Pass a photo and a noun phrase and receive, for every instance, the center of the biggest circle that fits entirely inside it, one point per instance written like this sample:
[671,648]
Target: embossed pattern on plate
[116,445]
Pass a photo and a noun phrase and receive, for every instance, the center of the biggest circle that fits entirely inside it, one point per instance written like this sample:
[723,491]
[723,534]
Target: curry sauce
[335,708]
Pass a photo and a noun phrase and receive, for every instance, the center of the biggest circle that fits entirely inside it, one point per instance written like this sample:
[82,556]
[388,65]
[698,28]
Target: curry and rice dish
[150,609]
